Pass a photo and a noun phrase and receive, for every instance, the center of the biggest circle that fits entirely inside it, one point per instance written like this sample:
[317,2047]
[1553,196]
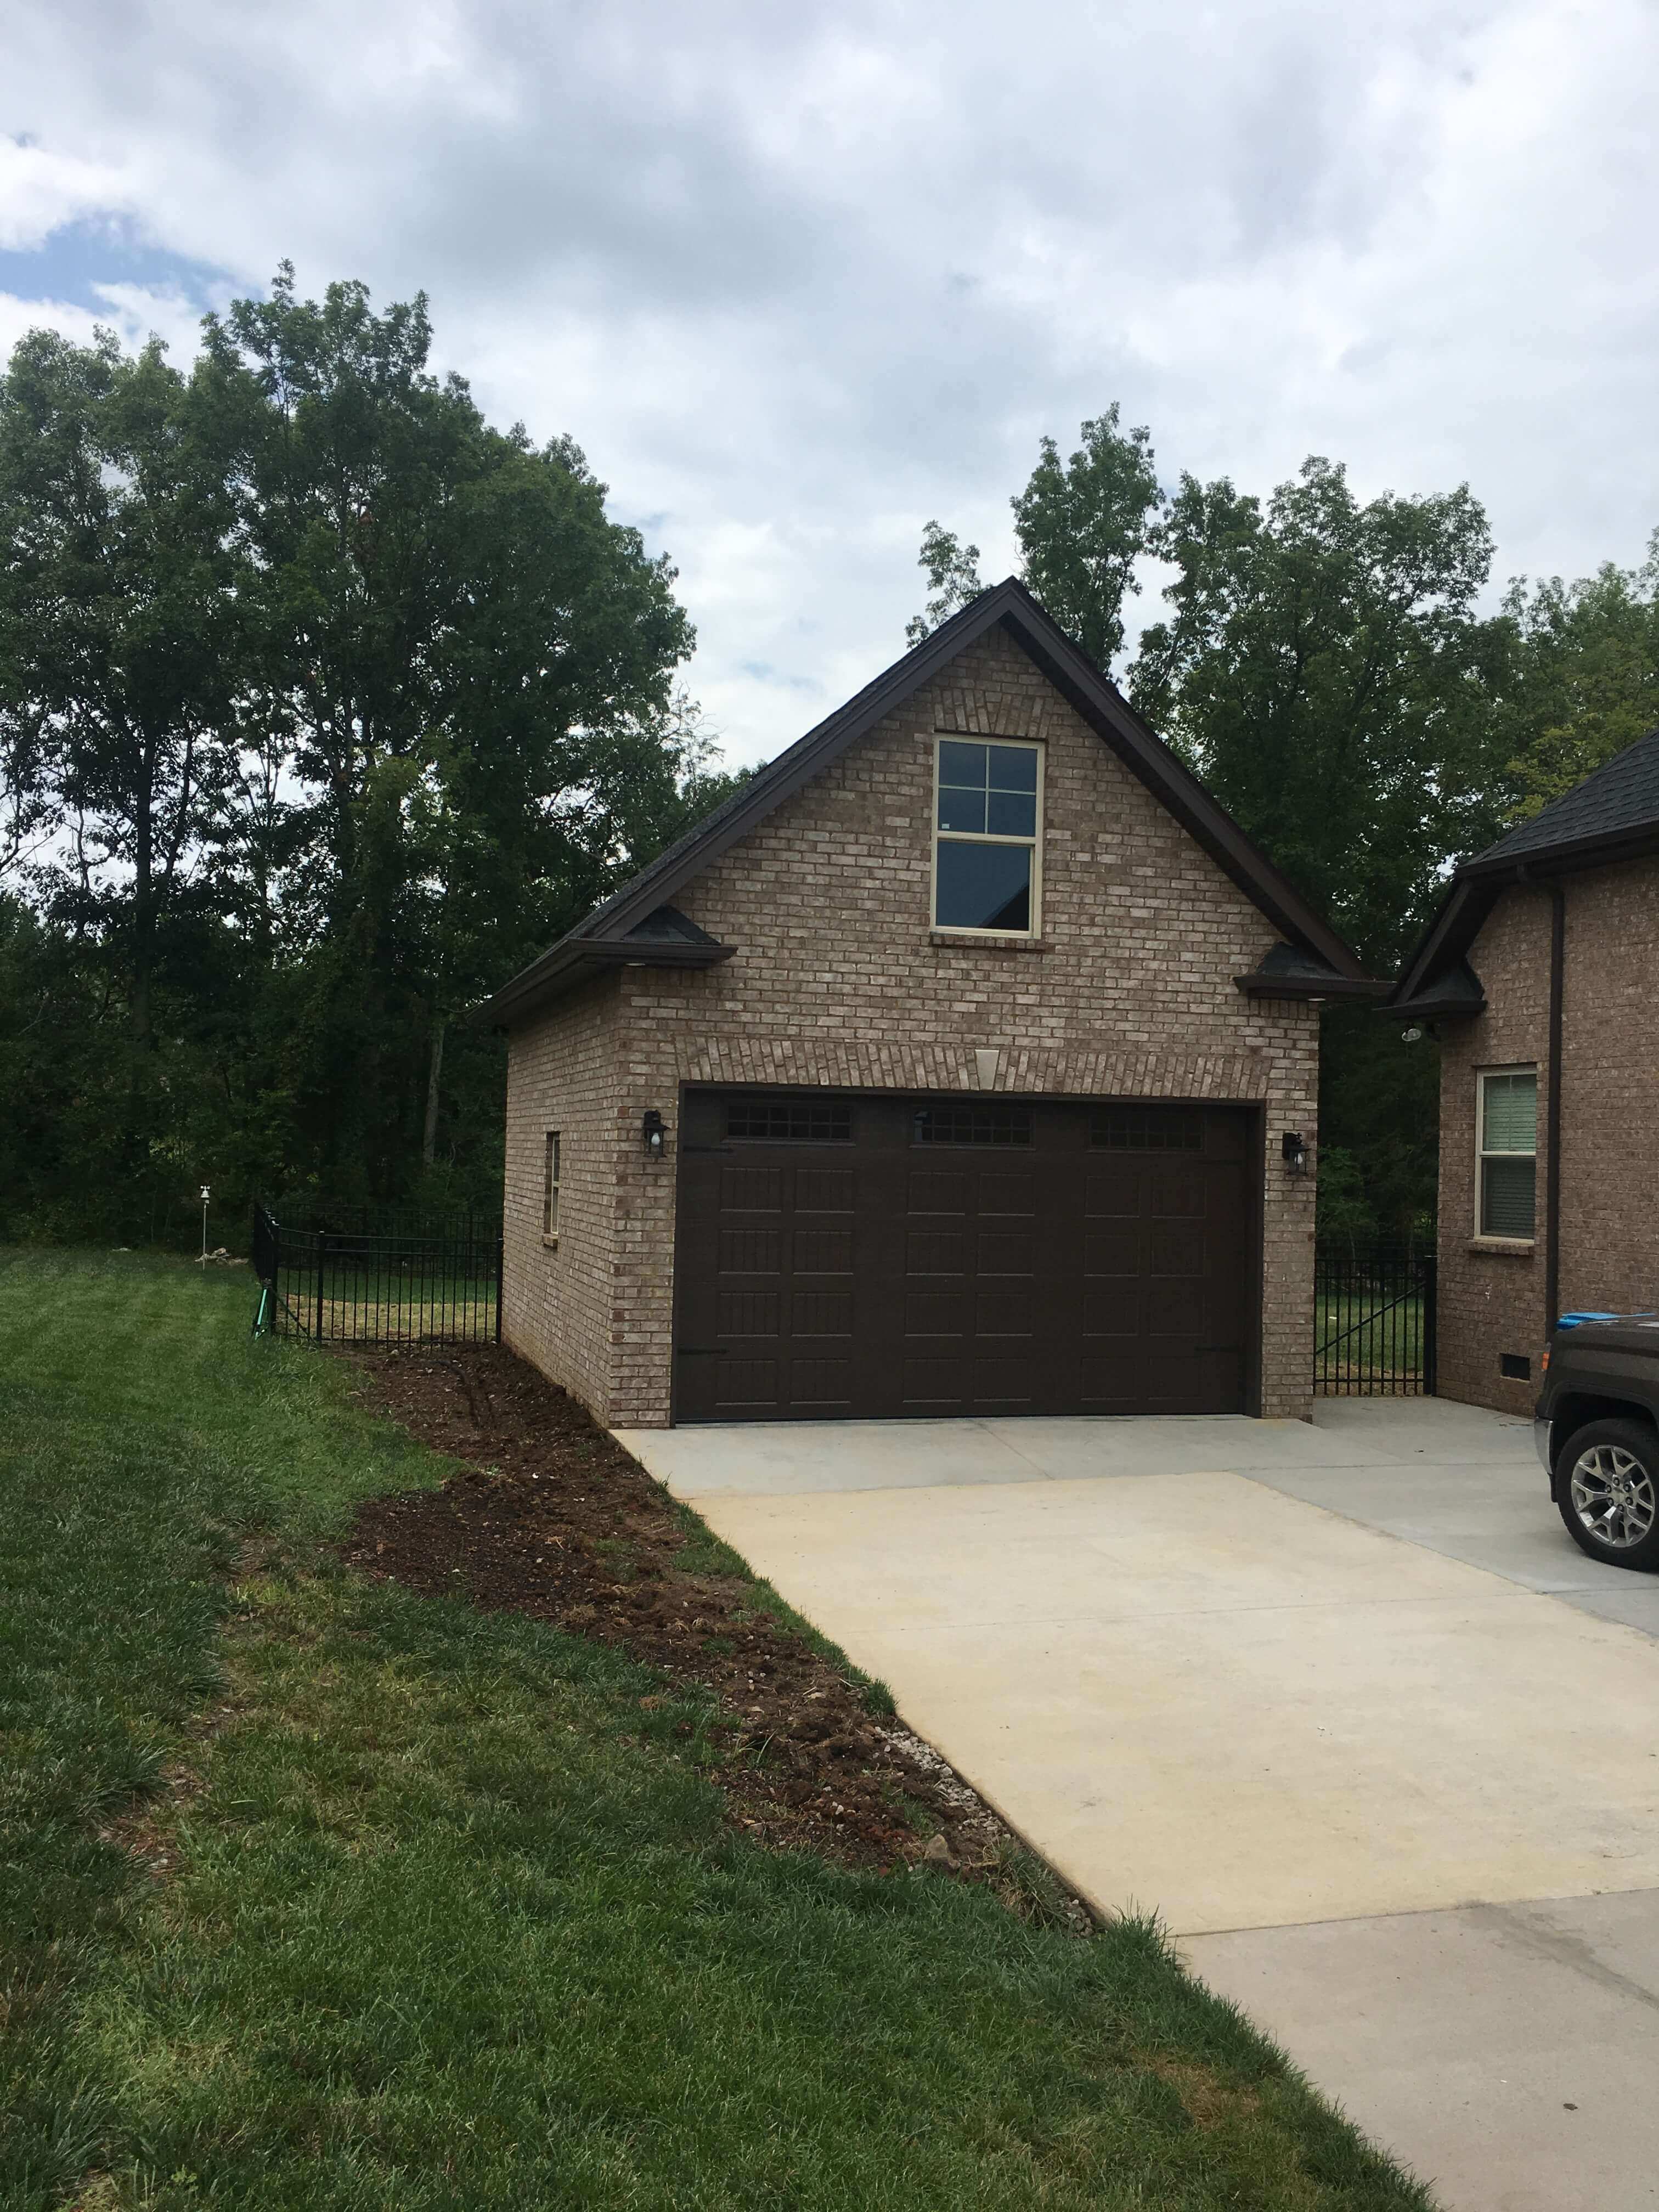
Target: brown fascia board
[1094,697]
[569,965]
[1259,986]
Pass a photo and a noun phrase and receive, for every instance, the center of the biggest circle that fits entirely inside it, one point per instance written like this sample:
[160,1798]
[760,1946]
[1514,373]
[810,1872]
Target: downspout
[1552,1126]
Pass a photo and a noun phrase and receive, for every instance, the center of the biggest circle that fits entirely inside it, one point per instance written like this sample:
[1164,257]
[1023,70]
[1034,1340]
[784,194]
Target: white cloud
[800,278]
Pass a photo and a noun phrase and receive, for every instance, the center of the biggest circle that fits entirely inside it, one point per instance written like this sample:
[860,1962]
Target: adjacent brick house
[1541,975]
[961,1064]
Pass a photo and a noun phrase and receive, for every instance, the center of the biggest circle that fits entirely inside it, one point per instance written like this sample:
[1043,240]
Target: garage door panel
[892,1256]
[1003,1313]
[824,1190]
[751,1190]
[1115,1190]
[931,1192]
[1113,1309]
[751,1251]
[935,1383]
[821,1313]
[938,1313]
[1177,1190]
[1006,1193]
[1113,1251]
[749,1313]
[1004,1252]
[1176,1249]
[1002,1383]
[1175,1308]
[934,1252]
[823,1251]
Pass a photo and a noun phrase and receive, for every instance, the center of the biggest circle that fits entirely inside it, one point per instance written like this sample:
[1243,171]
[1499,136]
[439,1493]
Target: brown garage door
[875,1258]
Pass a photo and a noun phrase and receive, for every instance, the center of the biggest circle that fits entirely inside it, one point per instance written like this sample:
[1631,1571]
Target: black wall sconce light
[1294,1148]
[656,1135]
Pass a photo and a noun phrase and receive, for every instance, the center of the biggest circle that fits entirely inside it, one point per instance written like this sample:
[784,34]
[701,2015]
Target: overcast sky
[800,276]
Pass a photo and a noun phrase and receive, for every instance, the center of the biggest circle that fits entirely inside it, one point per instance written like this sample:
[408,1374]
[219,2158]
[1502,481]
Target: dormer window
[987,836]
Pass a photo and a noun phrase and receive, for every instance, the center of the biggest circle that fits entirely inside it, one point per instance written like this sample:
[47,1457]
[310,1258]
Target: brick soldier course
[787,944]
[1565,908]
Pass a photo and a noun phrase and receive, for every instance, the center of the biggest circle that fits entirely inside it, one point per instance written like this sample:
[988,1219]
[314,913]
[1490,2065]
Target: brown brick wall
[557,1304]
[1493,1302]
[837,981]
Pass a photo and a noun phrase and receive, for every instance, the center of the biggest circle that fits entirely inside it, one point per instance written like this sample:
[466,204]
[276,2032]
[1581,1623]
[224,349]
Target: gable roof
[1612,815]
[608,935]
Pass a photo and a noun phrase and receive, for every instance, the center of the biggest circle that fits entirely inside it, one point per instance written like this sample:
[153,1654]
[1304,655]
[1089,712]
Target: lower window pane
[1506,1197]
[983,886]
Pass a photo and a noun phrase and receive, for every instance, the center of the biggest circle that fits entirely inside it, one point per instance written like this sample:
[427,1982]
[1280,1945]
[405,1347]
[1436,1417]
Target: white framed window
[1506,1144]
[987,836]
[551,1188]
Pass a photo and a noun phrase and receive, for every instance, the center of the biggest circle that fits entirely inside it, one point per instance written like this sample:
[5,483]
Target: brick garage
[1562,914]
[788,952]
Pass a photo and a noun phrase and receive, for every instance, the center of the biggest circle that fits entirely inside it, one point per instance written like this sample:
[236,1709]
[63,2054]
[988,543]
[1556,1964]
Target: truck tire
[1607,1487]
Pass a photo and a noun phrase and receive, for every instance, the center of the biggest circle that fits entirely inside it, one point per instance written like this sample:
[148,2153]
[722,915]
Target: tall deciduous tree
[1083,523]
[1321,666]
[953,572]
[118,615]
[1582,680]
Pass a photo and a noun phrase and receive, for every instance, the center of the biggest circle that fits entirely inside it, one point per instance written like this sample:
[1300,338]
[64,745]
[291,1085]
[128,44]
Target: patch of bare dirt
[549,1516]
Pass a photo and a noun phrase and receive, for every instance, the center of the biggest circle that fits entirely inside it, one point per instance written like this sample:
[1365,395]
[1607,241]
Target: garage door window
[790,1121]
[1141,1129]
[987,837]
[973,1125]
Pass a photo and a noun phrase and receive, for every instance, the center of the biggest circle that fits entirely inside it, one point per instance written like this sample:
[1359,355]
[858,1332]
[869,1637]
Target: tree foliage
[953,572]
[1082,526]
[324,705]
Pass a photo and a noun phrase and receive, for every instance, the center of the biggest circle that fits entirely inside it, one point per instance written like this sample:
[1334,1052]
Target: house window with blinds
[1507,1137]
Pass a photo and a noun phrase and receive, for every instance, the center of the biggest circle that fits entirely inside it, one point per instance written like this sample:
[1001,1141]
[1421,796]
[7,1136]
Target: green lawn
[1368,1336]
[317,1894]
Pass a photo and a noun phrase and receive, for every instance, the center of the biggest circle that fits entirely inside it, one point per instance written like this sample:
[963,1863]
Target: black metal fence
[1374,1322]
[370,1275]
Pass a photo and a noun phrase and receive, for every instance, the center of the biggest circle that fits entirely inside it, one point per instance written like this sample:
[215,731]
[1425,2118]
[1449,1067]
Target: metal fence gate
[1374,1322]
[379,1275]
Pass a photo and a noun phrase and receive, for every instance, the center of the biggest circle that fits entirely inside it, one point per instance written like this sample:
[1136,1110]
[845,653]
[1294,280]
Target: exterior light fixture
[1294,1149]
[1413,1036]
[655,1133]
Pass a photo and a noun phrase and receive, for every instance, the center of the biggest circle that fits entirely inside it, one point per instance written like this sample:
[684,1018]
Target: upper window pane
[983,886]
[1510,1112]
[963,810]
[967,765]
[1007,814]
[1012,768]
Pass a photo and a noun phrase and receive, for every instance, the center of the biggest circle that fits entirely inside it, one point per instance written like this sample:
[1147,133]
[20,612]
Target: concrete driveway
[1341,1702]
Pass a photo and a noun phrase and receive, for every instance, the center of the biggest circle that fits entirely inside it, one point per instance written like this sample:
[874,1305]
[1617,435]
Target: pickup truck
[1597,1427]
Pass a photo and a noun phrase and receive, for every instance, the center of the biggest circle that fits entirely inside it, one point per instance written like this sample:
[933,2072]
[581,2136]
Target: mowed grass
[1367,1336]
[320,1894]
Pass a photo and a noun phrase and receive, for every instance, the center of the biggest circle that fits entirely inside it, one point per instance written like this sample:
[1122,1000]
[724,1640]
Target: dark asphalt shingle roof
[1623,795]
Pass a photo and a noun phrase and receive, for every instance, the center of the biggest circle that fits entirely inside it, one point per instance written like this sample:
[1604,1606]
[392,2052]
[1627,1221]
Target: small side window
[1506,1115]
[551,1190]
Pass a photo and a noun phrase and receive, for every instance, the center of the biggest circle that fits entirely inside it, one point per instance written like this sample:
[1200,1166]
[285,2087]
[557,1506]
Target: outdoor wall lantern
[1294,1148]
[656,1134]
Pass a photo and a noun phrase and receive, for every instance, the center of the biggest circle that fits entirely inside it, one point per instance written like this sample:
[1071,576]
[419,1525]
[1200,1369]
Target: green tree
[469,665]
[119,618]
[1581,681]
[953,572]
[1082,526]
[1322,668]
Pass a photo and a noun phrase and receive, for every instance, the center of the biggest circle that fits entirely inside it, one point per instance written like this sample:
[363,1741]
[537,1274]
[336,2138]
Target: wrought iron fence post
[1429,1264]
[322,1248]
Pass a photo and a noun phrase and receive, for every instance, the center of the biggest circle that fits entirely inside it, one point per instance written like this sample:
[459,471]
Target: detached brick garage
[948,1069]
